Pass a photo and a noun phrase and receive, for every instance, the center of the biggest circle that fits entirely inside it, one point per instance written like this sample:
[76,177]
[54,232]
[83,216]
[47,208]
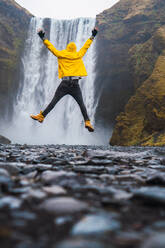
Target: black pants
[72,88]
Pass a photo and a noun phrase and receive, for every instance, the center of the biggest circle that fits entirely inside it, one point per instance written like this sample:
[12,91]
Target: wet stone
[43,167]
[19,190]
[11,168]
[63,220]
[96,225]
[107,177]
[24,215]
[5,182]
[150,195]
[159,225]
[66,196]
[128,238]
[36,194]
[155,241]
[4,172]
[32,174]
[10,202]
[4,140]
[63,205]
[51,176]
[55,190]
[89,169]
[81,243]
[156,179]
[28,169]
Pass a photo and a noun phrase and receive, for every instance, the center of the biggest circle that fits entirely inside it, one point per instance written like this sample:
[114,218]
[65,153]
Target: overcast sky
[66,9]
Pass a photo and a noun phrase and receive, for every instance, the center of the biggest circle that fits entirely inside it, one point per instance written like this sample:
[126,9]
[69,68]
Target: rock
[114,210]
[23,215]
[10,202]
[12,168]
[51,176]
[107,177]
[95,154]
[21,190]
[127,239]
[43,167]
[156,180]
[159,225]
[63,205]
[80,243]
[62,220]
[5,182]
[36,194]
[150,195]
[4,140]
[4,172]
[155,241]
[28,169]
[96,225]
[31,175]
[55,190]
[89,169]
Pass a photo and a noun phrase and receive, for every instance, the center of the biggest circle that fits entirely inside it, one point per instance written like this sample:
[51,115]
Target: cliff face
[131,55]
[14,21]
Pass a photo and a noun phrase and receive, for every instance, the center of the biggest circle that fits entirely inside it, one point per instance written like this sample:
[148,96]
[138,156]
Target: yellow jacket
[70,61]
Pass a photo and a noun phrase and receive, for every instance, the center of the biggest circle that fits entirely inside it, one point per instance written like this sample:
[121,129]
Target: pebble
[55,190]
[51,176]
[155,241]
[63,205]
[37,194]
[96,225]
[4,172]
[10,202]
[81,243]
[158,179]
[81,196]
[12,168]
[150,195]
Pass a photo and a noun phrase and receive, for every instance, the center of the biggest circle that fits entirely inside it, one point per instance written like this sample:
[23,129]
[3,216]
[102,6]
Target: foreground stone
[4,140]
[81,196]
[64,205]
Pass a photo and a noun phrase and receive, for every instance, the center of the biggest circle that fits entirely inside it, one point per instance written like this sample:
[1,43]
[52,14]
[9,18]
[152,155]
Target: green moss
[143,121]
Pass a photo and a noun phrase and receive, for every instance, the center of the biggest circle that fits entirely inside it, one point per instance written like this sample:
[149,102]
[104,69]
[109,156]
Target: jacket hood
[71,47]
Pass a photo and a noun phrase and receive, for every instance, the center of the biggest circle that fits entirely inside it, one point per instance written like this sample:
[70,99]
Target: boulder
[4,140]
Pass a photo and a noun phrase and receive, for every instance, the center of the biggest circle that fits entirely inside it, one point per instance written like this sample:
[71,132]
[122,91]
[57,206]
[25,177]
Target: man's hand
[95,31]
[41,34]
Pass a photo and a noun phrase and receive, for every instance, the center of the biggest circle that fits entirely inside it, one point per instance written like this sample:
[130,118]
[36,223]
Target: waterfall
[64,124]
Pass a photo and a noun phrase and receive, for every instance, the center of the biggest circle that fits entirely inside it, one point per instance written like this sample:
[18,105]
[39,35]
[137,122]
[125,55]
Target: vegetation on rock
[14,21]
[132,36]
[143,121]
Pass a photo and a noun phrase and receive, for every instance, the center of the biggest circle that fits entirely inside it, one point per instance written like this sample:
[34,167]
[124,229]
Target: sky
[66,9]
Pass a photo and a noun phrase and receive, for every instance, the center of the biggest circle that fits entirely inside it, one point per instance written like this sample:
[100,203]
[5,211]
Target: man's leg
[76,93]
[60,92]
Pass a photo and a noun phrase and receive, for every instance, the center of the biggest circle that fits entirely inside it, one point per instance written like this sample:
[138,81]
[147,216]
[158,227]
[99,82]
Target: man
[70,68]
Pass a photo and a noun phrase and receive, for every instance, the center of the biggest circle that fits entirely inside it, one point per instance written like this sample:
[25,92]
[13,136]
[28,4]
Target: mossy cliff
[131,55]
[143,122]
[14,21]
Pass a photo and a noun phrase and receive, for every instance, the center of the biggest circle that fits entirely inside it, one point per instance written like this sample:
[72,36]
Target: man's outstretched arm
[48,44]
[87,44]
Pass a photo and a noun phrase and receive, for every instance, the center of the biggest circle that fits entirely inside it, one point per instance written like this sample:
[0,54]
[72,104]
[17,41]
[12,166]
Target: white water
[64,124]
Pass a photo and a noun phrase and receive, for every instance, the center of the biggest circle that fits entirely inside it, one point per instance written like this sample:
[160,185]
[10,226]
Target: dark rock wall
[126,55]
[14,21]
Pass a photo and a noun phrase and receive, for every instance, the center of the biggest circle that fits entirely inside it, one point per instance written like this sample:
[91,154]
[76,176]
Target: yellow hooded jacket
[70,61]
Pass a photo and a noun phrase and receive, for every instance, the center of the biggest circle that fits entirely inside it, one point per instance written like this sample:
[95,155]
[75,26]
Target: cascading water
[64,124]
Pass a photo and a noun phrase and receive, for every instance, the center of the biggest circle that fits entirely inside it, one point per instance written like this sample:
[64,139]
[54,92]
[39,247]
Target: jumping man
[70,68]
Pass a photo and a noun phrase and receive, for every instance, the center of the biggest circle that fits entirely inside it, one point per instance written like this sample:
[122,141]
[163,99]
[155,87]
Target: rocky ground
[82,197]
